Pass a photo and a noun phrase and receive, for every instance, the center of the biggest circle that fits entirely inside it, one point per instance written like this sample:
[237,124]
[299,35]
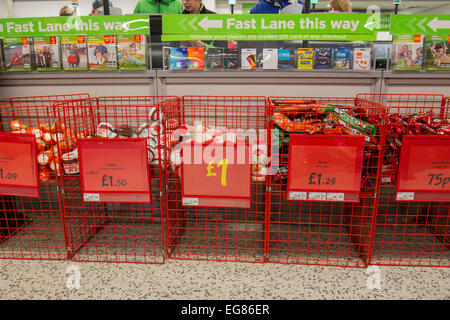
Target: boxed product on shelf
[408,52]
[17,53]
[46,53]
[361,59]
[230,59]
[196,58]
[248,58]
[74,52]
[322,58]
[178,58]
[132,52]
[285,59]
[102,51]
[305,58]
[341,58]
[437,52]
[214,58]
[270,58]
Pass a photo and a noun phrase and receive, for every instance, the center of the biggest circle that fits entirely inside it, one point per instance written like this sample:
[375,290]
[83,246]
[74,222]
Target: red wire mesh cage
[216,207]
[326,156]
[412,228]
[111,178]
[31,226]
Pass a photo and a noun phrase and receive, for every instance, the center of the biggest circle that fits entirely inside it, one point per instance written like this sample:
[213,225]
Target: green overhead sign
[266,37]
[56,26]
[272,24]
[420,24]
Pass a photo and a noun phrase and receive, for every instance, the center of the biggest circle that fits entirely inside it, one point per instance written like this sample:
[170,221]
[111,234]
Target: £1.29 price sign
[424,169]
[114,170]
[325,168]
[18,165]
[216,175]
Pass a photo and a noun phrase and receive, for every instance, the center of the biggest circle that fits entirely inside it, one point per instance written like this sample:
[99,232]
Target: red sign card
[325,168]
[216,175]
[114,170]
[18,165]
[424,169]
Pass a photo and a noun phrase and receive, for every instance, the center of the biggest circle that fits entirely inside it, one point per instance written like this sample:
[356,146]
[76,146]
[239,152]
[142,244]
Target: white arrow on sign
[439,24]
[205,24]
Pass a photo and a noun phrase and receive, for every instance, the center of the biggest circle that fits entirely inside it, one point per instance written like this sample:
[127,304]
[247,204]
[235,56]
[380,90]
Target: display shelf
[416,81]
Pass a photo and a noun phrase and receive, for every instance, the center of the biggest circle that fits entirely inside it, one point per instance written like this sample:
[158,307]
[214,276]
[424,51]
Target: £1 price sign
[424,169]
[18,165]
[325,168]
[216,175]
[114,170]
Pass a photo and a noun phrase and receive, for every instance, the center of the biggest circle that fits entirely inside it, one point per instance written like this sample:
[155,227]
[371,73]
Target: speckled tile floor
[177,279]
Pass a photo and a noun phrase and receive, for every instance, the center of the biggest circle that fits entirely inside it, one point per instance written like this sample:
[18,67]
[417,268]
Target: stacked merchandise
[408,52]
[198,133]
[131,51]
[17,53]
[437,52]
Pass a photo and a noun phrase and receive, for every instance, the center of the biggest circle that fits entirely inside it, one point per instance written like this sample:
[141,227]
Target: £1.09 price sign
[18,165]
[114,170]
[325,168]
[216,175]
[424,169]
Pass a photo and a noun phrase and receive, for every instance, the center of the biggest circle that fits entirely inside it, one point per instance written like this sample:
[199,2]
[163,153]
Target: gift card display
[322,58]
[248,58]
[361,59]
[305,58]
[178,58]
[270,58]
[341,57]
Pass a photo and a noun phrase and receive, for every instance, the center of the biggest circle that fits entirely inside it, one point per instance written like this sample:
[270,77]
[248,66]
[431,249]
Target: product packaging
[17,53]
[341,58]
[305,58]
[178,58]
[437,52]
[285,60]
[322,58]
[361,59]
[248,58]
[270,58]
[408,52]
[74,52]
[132,52]
[196,58]
[230,59]
[102,51]
[46,53]
[214,59]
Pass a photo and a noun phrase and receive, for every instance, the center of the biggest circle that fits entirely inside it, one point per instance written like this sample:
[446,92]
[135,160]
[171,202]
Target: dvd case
[408,52]
[46,53]
[437,52]
[214,59]
[322,58]
[305,58]
[285,59]
[74,52]
[132,52]
[196,58]
[230,59]
[17,53]
[341,58]
[270,58]
[248,58]
[178,58]
[102,52]
[361,59]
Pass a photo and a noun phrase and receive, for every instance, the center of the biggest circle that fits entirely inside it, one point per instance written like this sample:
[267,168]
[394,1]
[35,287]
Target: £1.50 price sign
[424,169]
[216,175]
[18,165]
[325,168]
[114,170]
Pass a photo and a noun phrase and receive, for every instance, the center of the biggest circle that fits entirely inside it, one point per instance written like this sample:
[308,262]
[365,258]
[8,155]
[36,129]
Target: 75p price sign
[18,165]
[216,175]
[325,168]
[424,169]
[114,170]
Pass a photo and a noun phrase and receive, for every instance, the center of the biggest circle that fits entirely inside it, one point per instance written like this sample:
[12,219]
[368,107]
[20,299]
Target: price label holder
[325,168]
[18,165]
[114,170]
[216,175]
[424,169]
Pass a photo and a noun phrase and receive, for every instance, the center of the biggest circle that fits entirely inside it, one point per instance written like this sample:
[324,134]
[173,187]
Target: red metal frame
[33,228]
[408,233]
[214,233]
[111,231]
[326,232]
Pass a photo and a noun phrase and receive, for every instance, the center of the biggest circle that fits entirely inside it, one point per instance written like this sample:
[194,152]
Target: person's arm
[137,9]
[180,7]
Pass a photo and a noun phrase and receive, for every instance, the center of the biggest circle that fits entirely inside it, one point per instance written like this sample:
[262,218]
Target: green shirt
[166,6]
